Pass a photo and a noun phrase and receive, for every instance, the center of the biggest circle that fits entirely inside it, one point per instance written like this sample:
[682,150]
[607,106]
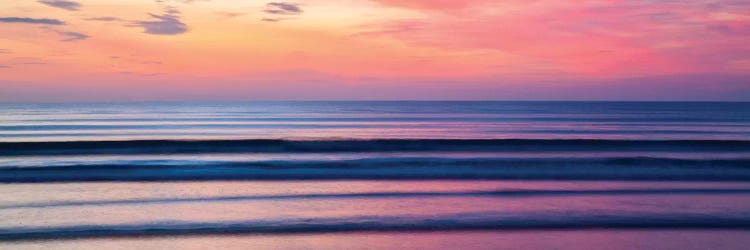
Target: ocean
[375,175]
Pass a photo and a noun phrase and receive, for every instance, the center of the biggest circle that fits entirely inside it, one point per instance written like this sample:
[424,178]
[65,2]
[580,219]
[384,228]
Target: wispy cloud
[166,24]
[26,61]
[105,19]
[72,36]
[281,11]
[29,20]
[231,14]
[192,1]
[4,51]
[138,73]
[282,8]
[67,36]
[62,4]
[433,4]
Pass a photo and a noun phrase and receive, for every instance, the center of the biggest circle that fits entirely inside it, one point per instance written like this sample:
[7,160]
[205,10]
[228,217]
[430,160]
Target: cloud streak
[72,36]
[104,19]
[231,14]
[62,4]
[29,20]
[68,36]
[168,23]
[432,4]
[282,8]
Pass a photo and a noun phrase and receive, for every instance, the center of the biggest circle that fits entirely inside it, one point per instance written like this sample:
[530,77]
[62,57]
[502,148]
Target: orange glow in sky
[146,50]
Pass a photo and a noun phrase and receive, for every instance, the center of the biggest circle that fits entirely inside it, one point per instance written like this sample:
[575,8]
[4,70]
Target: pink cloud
[430,4]
[615,38]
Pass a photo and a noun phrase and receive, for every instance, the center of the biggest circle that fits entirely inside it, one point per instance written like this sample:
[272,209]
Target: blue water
[103,170]
[367,120]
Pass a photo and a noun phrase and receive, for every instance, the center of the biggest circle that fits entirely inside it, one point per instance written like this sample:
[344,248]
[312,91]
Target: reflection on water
[651,171]
[381,205]
[584,239]
[527,120]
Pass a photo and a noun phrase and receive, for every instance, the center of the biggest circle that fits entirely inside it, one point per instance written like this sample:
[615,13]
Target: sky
[241,50]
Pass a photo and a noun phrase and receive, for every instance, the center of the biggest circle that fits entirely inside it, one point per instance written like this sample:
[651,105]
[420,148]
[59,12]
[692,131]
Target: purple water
[437,175]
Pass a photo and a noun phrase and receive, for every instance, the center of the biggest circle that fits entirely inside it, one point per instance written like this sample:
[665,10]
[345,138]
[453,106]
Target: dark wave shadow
[400,168]
[448,222]
[374,145]
[498,193]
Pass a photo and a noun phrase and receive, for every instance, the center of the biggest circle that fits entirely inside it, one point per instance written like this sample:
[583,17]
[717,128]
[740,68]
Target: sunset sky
[232,50]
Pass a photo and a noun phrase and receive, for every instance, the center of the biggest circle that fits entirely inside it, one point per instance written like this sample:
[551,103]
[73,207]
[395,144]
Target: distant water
[280,169]
[368,120]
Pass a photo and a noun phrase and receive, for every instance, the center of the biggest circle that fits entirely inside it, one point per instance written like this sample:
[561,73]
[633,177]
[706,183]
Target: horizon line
[374,100]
